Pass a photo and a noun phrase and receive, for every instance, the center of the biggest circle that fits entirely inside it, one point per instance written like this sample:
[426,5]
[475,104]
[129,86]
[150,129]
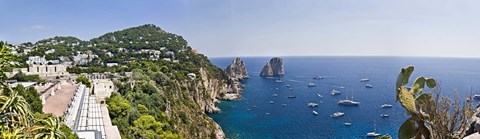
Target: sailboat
[384,114]
[291,95]
[373,134]
[348,102]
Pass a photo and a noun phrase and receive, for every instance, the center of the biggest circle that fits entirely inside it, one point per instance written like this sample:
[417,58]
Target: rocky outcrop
[212,89]
[273,68]
[237,70]
[473,128]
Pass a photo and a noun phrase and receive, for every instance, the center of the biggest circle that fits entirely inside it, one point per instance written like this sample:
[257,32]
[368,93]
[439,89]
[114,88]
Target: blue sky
[263,27]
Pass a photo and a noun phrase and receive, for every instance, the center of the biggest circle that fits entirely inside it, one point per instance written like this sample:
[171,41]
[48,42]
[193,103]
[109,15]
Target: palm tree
[14,111]
[49,128]
[11,134]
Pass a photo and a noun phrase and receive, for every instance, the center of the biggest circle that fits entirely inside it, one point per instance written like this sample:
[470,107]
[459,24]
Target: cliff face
[237,70]
[273,68]
[473,129]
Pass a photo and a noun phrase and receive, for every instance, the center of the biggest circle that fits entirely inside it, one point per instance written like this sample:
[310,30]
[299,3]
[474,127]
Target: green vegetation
[17,108]
[159,92]
[84,80]
[430,117]
[31,96]
[144,125]
[22,77]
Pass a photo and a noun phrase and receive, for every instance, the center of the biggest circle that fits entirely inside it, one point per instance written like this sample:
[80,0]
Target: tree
[20,76]
[5,58]
[142,109]
[117,106]
[16,117]
[84,80]
[49,128]
[32,97]
[147,127]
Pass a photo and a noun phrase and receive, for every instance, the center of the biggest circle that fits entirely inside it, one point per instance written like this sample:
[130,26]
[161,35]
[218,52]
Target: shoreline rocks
[235,72]
[273,68]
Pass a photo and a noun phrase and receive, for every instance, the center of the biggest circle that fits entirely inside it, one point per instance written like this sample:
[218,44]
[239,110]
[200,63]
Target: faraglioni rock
[237,70]
[273,68]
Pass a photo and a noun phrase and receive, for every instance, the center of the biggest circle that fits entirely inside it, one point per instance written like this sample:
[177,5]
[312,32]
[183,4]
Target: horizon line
[400,56]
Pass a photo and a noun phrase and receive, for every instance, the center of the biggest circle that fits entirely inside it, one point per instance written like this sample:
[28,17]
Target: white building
[33,60]
[112,64]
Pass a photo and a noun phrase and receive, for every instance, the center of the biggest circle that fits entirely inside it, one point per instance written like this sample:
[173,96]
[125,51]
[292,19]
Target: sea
[255,117]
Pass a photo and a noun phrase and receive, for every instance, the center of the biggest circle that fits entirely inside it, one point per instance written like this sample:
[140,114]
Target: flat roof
[58,103]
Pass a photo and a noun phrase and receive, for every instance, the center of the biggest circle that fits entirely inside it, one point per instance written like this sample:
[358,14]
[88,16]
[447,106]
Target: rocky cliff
[473,130]
[273,68]
[237,70]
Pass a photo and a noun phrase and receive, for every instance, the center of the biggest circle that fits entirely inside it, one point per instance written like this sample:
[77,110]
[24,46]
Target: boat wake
[297,81]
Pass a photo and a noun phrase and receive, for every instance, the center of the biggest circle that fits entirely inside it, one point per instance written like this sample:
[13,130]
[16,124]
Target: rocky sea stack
[237,70]
[273,68]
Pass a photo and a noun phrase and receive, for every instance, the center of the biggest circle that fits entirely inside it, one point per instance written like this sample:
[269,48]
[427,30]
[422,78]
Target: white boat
[319,95]
[287,85]
[314,113]
[311,104]
[284,105]
[271,102]
[384,115]
[364,80]
[373,134]
[347,123]
[291,96]
[317,77]
[387,106]
[279,81]
[348,102]
[369,86]
[311,85]
[274,95]
[337,114]
[334,92]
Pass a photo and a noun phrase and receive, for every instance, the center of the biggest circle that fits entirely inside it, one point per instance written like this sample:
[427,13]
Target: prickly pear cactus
[412,99]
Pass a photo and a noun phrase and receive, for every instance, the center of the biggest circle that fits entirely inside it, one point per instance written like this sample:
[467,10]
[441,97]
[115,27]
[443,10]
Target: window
[38,69]
[46,69]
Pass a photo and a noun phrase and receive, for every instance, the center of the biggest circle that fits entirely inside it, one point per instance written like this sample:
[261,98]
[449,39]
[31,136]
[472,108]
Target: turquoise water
[239,119]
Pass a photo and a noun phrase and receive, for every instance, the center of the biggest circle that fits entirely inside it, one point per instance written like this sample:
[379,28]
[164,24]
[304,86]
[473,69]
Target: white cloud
[37,27]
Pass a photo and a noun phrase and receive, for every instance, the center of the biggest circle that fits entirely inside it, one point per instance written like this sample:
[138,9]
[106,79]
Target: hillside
[170,81]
